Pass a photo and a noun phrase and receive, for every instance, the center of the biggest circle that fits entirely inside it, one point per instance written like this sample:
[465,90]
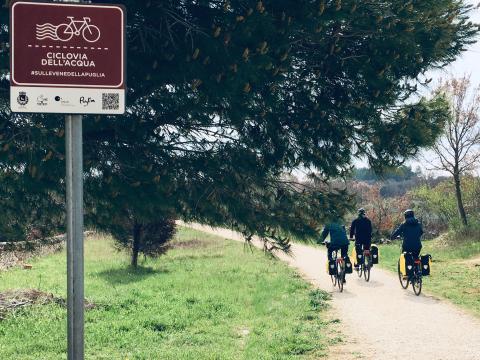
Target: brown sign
[67,45]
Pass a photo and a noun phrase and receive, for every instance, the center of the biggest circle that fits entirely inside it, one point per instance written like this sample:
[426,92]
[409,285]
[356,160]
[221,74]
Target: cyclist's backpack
[331,267]
[348,266]
[426,264]
[375,254]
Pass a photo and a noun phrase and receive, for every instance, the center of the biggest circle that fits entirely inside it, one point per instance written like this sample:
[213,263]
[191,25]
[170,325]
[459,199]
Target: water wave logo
[46,31]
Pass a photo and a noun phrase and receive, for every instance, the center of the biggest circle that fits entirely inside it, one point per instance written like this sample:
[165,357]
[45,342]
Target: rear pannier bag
[331,267]
[348,266]
[374,254]
[426,264]
[354,256]
[359,259]
[409,263]
[402,265]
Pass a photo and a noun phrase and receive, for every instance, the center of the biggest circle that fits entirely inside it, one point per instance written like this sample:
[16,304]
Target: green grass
[455,276]
[206,299]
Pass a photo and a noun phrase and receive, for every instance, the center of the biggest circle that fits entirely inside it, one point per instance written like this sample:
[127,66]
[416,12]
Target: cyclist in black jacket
[362,229]
[411,231]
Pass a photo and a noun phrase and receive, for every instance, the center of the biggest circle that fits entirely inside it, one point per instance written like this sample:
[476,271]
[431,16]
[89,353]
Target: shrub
[149,238]
[438,204]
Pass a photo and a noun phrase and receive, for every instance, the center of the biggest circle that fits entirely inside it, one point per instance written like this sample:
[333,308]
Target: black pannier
[409,264]
[359,258]
[331,267]
[426,264]
[348,266]
[374,254]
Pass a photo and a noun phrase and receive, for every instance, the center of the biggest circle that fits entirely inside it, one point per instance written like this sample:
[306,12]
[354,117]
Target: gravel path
[380,319]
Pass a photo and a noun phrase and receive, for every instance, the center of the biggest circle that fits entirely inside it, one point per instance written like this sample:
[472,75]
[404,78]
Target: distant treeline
[396,181]
[401,173]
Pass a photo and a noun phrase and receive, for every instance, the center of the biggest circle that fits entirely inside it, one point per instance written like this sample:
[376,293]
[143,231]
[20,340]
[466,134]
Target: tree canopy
[224,97]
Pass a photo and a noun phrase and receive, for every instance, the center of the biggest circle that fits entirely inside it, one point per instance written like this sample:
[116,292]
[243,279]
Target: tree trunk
[458,192]
[137,233]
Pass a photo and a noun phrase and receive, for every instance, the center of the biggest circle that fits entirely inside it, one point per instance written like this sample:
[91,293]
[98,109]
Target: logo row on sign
[67,100]
[42,100]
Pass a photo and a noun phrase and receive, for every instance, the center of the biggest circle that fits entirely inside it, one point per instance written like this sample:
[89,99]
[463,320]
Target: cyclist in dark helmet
[361,228]
[411,232]
[338,237]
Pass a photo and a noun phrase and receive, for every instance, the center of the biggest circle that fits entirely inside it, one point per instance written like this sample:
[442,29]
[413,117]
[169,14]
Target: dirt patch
[11,258]
[15,299]
[190,244]
[474,261]
[13,254]
[17,254]
[12,300]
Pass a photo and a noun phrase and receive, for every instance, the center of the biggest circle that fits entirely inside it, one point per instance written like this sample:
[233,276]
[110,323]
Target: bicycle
[365,267]
[415,278]
[90,33]
[339,276]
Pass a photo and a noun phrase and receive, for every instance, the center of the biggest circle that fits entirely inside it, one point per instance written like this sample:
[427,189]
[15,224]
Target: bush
[465,233]
[28,216]
[385,213]
[155,236]
[438,204]
[149,238]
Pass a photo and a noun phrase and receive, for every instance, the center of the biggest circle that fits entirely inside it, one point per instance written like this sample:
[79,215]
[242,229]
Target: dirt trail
[380,319]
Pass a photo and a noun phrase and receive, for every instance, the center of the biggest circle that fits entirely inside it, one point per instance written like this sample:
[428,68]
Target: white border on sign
[70,85]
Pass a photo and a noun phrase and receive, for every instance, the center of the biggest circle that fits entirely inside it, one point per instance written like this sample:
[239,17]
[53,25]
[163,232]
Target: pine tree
[226,96]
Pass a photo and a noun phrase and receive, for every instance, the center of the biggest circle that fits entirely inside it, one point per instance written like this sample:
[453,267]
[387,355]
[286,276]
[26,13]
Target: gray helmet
[409,213]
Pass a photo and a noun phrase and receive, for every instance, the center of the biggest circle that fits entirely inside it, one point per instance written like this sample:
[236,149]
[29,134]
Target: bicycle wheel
[334,279]
[340,276]
[417,283]
[403,282]
[360,270]
[91,33]
[64,32]
[366,270]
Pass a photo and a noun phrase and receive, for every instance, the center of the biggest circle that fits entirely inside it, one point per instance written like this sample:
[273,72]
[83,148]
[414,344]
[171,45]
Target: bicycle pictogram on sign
[65,32]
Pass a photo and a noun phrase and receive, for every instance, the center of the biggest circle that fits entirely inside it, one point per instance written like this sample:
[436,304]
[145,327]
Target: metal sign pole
[75,266]
[75,270]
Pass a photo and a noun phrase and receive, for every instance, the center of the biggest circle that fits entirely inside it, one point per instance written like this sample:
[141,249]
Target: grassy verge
[206,299]
[455,270]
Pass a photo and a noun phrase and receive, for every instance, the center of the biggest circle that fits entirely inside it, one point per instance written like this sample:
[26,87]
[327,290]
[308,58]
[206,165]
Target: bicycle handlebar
[85,18]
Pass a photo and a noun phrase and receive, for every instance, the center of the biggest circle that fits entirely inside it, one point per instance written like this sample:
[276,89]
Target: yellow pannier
[403,270]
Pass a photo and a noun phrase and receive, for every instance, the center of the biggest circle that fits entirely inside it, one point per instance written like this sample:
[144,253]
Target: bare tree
[458,150]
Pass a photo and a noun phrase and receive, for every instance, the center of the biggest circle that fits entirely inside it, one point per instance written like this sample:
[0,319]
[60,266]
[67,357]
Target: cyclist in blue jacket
[338,237]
